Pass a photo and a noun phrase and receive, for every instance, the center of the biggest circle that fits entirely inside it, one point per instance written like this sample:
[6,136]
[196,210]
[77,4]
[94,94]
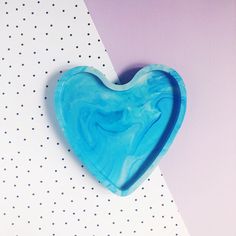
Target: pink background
[198,39]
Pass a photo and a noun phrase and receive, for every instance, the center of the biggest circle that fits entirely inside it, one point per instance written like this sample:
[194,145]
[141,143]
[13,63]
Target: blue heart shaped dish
[119,132]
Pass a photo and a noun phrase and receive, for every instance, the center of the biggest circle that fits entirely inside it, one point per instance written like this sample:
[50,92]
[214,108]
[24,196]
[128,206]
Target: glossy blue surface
[119,132]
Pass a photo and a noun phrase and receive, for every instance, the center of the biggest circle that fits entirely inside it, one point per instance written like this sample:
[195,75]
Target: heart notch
[119,132]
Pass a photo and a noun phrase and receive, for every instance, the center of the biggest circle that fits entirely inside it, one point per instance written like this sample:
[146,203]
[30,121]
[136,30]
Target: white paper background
[44,188]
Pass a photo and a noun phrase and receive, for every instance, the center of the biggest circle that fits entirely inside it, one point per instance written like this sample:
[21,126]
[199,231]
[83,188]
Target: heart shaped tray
[119,132]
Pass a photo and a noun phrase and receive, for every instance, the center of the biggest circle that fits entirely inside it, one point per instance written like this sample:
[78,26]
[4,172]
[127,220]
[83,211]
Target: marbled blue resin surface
[119,132]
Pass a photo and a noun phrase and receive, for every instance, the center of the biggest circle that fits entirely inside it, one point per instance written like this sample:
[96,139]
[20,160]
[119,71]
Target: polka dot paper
[45,190]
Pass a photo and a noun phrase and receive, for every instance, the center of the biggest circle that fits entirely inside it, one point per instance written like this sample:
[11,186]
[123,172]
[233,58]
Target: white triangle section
[44,188]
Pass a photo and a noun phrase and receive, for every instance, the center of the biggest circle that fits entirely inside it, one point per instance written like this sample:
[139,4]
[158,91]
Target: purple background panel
[198,39]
